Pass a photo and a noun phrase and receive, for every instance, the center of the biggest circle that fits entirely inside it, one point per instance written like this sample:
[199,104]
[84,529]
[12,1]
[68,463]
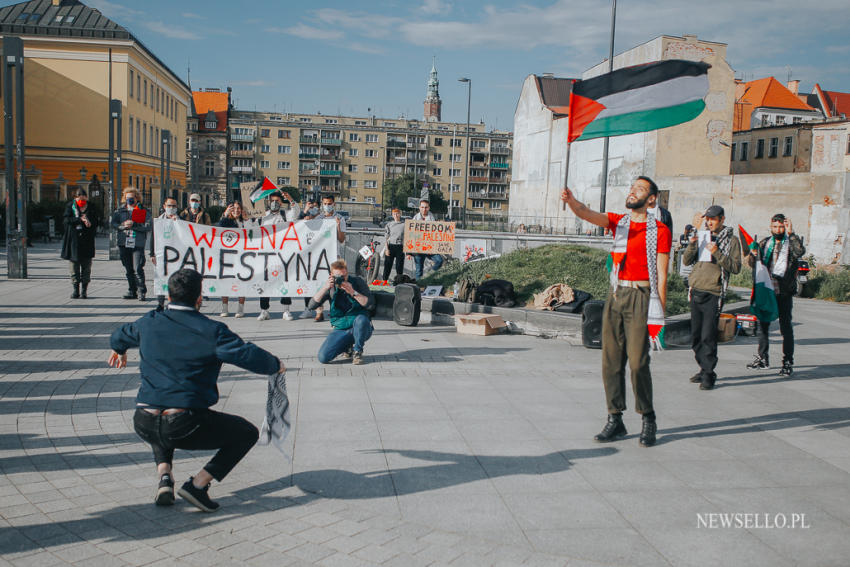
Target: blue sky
[348,56]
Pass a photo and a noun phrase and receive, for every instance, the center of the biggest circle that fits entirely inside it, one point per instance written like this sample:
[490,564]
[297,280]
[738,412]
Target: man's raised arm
[582,211]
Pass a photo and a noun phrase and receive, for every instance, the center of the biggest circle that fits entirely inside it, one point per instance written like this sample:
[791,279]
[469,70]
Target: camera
[338,280]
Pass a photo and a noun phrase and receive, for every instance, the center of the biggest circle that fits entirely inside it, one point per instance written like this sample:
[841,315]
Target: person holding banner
[394,250]
[780,253]
[635,304]
[275,215]
[181,354]
[133,223]
[419,259]
[233,217]
[169,212]
[351,302]
[78,243]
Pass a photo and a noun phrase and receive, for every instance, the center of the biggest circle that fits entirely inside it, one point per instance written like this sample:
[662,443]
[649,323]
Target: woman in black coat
[78,244]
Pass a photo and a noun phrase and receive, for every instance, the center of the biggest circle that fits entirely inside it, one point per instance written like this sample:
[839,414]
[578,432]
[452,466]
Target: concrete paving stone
[542,560]
[204,557]
[143,556]
[178,547]
[677,545]
[317,534]
[282,542]
[406,560]
[343,560]
[375,554]
[245,550]
[310,552]
[40,559]
[620,546]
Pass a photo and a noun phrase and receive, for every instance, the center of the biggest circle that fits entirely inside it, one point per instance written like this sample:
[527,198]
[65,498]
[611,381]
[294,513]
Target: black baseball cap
[714,211]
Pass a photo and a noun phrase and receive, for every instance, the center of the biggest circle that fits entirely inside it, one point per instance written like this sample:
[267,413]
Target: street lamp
[468,155]
[164,165]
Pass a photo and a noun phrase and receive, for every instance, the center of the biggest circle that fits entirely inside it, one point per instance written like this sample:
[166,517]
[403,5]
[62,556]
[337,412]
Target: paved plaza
[442,449]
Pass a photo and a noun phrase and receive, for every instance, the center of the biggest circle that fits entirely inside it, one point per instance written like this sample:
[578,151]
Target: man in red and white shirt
[637,280]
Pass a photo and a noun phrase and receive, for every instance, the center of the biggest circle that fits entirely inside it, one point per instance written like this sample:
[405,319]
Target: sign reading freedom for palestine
[429,237]
[282,260]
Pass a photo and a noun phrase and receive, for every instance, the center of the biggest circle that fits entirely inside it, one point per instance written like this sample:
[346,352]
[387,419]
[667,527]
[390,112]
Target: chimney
[794,86]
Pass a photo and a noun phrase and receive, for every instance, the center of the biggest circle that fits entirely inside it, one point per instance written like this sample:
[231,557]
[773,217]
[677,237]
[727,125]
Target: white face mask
[313,211]
[195,205]
[171,211]
[328,208]
[274,206]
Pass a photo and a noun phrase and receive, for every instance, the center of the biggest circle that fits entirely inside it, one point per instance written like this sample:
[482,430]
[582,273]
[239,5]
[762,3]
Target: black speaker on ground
[591,324]
[407,305]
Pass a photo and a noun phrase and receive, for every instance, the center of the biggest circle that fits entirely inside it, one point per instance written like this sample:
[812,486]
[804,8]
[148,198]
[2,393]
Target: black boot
[787,368]
[76,293]
[84,292]
[131,294]
[613,429]
[647,431]
[707,382]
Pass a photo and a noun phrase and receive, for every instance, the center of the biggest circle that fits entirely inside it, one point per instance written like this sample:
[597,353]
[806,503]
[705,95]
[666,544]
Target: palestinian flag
[637,99]
[763,299]
[265,189]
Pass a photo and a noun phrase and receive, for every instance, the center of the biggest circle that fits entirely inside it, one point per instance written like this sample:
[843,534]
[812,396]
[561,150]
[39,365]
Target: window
[496,205]
[798,119]
[157,99]
[284,149]
[158,147]
[438,157]
[389,124]
[265,148]
[331,121]
[438,141]
[437,187]
[211,125]
[139,147]
[774,148]
[283,165]
[370,184]
[130,137]
[477,204]
[302,119]
[353,137]
[283,134]
[456,143]
[371,137]
[370,200]
[352,168]
[759,149]
[456,157]
[745,151]
[138,87]
[371,153]
[144,148]
[359,122]
[352,183]
[131,82]
[437,171]
[264,164]
[352,152]
[265,133]
[371,169]
[455,203]
[734,151]
[150,148]
[455,172]
[146,91]
[789,146]
[479,144]
[209,168]
[780,119]
[765,121]
[282,181]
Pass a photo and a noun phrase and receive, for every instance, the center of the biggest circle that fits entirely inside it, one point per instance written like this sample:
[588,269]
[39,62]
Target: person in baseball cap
[195,212]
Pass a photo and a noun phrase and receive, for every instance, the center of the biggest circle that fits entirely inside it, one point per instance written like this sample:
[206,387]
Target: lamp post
[13,127]
[468,155]
[164,164]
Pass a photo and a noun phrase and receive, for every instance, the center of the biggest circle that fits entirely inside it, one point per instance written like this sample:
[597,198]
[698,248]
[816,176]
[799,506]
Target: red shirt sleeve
[665,238]
[613,219]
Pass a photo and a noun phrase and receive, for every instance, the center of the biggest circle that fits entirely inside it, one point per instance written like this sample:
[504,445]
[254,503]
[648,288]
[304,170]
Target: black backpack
[499,293]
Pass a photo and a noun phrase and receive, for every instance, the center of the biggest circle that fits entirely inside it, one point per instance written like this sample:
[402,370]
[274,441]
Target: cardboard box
[479,324]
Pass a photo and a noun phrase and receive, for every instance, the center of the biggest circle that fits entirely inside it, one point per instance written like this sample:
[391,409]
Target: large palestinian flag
[637,99]
[265,189]
[763,299]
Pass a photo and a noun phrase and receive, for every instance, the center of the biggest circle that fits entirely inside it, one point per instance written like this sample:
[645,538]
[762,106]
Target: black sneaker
[613,429]
[696,378]
[165,491]
[142,296]
[197,496]
[787,368]
[758,363]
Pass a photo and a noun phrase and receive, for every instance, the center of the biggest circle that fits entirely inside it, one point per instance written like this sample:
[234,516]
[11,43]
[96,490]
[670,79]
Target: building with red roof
[208,143]
[767,102]
[833,104]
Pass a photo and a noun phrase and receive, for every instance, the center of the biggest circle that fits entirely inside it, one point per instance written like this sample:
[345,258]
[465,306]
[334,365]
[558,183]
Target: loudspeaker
[591,324]
[407,305]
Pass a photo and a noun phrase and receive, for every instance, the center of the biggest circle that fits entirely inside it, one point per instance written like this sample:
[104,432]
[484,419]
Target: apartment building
[206,144]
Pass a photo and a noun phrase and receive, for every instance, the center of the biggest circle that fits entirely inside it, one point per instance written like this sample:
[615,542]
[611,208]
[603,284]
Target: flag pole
[569,143]
[604,189]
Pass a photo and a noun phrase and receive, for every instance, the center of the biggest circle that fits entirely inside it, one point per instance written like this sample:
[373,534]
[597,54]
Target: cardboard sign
[429,237]
[279,260]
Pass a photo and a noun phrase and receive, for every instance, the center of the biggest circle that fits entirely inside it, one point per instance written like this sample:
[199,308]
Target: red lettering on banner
[271,237]
[245,244]
[286,236]
[227,240]
[205,237]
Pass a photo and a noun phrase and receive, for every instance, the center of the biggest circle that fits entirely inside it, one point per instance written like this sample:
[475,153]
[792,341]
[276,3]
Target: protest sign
[283,260]
[429,237]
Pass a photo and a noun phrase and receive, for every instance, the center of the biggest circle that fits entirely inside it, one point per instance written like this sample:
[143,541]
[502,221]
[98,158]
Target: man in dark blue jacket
[181,355]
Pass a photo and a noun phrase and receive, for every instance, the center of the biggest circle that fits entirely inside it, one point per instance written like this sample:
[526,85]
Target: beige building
[350,157]
[75,60]
[774,149]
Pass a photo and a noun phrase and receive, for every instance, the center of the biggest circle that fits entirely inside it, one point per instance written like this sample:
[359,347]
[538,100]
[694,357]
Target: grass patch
[532,271]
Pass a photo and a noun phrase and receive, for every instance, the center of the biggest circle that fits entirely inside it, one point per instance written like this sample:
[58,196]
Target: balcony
[499,165]
[242,137]
[500,150]
[478,180]
[308,140]
[499,180]
[330,157]
[330,189]
[331,142]
[308,155]
[396,144]
[308,171]
[330,172]
[416,146]
[242,153]
[242,169]
[477,164]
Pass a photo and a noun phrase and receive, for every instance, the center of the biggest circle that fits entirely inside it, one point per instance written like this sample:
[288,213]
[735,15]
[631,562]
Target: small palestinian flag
[265,189]
[637,99]
[763,299]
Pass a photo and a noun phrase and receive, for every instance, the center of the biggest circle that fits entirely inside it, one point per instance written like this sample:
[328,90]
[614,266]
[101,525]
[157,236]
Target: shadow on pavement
[771,376]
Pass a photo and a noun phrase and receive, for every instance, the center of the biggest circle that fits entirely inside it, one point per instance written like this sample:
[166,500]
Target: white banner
[283,260]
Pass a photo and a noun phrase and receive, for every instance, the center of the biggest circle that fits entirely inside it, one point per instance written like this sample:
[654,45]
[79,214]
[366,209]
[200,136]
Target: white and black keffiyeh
[277,423]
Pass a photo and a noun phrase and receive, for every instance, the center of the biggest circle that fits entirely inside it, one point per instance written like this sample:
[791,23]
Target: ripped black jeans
[198,429]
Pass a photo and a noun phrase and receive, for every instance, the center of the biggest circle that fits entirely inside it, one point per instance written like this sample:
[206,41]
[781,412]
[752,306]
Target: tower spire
[433,104]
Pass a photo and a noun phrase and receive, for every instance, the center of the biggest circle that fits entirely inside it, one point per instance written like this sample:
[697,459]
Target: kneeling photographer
[351,303]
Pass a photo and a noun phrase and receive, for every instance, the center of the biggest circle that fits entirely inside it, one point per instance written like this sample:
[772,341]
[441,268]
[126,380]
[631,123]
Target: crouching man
[181,355]
[351,303]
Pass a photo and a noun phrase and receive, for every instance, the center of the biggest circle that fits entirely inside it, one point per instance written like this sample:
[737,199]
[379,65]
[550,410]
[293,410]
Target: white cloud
[192,16]
[364,48]
[436,7]
[308,32]
[361,23]
[170,31]
[255,83]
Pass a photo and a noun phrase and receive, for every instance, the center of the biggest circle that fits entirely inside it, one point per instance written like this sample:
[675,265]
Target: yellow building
[75,61]
[350,157]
